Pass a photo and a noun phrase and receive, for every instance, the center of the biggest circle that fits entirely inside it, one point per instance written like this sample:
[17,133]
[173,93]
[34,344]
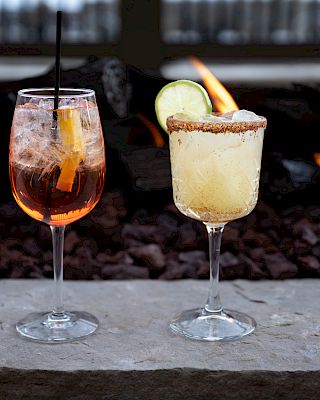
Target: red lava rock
[167,221]
[11,243]
[298,247]
[228,259]
[84,252]
[47,257]
[255,270]
[44,233]
[316,250]
[77,267]
[280,267]
[11,212]
[190,271]
[122,257]
[299,225]
[230,236]
[36,273]
[103,258]
[303,228]
[187,236]
[47,268]
[194,263]
[309,263]
[150,255]
[309,236]
[31,247]
[231,266]
[257,254]
[124,271]
[204,271]
[20,265]
[26,229]
[168,227]
[267,216]
[252,238]
[164,243]
[274,235]
[71,241]
[107,214]
[162,235]
[193,257]
[137,233]
[174,270]
[18,272]
[171,207]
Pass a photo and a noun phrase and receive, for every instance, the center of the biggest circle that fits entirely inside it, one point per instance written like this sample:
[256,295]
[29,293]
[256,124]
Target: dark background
[136,231]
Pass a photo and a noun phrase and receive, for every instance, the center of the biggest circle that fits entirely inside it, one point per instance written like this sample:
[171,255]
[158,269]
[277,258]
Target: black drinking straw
[57,65]
[46,216]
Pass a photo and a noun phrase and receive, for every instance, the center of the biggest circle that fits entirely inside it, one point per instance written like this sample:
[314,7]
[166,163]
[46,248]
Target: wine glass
[215,166]
[57,171]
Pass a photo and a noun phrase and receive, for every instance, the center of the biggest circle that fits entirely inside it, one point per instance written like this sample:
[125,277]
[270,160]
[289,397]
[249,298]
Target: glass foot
[199,324]
[49,328]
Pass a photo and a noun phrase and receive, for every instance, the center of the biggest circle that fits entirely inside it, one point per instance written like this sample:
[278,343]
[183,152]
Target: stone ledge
[134,356]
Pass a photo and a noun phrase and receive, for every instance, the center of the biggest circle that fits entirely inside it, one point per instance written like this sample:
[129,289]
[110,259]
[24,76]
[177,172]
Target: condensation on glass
[84,21]
[233,22]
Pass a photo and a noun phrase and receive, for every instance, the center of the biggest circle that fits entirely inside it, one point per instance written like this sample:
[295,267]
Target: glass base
[200,324]
[57,328]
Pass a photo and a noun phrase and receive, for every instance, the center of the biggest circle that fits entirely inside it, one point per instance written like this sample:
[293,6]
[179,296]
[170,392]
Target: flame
[316,157]
[153,129]
[222,99]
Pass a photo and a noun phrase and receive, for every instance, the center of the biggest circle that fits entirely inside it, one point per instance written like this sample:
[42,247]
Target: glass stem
[57,243]
[213,304]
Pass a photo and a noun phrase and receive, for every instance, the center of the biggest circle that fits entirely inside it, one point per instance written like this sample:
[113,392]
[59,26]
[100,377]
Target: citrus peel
[70,129]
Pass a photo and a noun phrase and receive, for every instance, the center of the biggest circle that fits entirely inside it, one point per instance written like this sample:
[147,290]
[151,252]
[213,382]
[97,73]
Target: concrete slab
[134,355]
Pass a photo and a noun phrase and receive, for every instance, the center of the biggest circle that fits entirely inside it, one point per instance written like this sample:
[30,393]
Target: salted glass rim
[49,93]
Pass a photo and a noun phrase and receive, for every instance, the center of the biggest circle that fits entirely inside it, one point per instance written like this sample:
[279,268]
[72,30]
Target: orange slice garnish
[70,129]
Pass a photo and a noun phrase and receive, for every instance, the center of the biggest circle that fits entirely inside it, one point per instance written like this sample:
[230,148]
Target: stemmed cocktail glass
[215,163]
[57,171]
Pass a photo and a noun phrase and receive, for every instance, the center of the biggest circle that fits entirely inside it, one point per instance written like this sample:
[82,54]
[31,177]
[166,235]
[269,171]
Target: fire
[316,157]
[153,129]
[222,99]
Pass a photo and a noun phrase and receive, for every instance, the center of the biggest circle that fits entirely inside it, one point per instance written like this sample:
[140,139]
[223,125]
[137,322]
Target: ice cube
[46,104]
[31,134]
[211,118]
[244,116]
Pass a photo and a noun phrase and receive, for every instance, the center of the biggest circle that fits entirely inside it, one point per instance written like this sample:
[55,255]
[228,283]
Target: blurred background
[227,22]
[265,52]
[266,34]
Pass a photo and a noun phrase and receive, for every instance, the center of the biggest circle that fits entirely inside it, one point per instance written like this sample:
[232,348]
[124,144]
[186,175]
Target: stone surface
[134,356]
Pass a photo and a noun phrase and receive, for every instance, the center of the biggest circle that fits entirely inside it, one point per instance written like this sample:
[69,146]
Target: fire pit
[136,231]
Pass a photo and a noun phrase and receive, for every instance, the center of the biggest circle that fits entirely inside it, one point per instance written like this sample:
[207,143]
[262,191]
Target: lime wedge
[181,96]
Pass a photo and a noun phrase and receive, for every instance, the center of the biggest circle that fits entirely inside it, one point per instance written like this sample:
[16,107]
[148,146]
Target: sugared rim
[175,125]
[48,93]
